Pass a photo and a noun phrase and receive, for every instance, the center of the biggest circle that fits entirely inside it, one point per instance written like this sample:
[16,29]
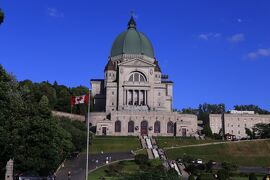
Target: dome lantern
[132,41]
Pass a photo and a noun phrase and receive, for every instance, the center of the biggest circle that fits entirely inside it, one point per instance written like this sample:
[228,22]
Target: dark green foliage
[206,176]
[190,111]
[207,130]
[28,133]
[1,16]
[252,176]
[191,177]
[250,133]
[223,174]
[262,130]
[206,109]
[251,107]
[141,159]
[114,169]
[229,166]
[58,95]
[77,131]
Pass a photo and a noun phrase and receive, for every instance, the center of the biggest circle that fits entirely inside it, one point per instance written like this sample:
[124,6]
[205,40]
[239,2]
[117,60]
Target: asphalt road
[77,165]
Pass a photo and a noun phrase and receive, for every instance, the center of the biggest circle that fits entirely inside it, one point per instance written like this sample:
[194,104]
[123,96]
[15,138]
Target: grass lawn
[166,142]
[128,168]
[245,178]
[114,144]
[253,153]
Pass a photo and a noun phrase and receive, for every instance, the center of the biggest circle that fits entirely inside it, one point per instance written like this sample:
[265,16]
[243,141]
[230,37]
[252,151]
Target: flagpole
[87,146]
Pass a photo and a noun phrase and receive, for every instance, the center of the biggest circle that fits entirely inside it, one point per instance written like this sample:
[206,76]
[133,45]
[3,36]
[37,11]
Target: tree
[141,159]
[191,177]
[207,130]
[43,107]
[190,111]
[250,133]
[223,174]
[28,133]
[1,16]
[206,176]
[262,130]
[12,118]
[252,176]
[251,107]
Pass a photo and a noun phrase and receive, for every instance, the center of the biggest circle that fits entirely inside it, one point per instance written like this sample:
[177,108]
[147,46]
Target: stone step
[150,154]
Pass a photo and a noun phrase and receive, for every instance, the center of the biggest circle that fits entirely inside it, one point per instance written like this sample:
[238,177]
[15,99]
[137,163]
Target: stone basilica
[134,97]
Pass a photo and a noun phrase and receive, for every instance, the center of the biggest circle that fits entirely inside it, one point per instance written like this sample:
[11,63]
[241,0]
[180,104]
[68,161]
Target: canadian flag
[79,99]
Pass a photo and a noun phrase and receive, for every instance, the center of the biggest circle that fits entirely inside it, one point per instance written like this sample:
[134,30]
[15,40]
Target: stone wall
[74,117]
[183,124]
[236,123]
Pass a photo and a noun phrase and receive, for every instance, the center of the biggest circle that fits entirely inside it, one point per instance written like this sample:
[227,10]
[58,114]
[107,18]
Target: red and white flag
[79,99]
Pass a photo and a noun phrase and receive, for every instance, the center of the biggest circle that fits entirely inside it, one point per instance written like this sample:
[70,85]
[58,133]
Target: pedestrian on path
[69,175]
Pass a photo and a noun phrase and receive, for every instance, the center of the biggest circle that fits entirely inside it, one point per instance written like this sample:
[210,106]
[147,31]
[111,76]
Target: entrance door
[184,132]
[104,131]
[144,128]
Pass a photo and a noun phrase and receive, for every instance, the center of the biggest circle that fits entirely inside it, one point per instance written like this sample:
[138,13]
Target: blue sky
[214,51]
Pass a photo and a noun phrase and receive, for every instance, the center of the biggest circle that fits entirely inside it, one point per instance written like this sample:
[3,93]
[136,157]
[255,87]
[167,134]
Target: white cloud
[239,20]
[236,38]
[53,12]
[259,53]
[207,36]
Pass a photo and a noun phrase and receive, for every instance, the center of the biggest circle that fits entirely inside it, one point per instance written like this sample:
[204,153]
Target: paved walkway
[213,143]
[77,165]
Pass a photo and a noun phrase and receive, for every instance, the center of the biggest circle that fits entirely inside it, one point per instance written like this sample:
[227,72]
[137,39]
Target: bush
[191,177]
[223,174]
[141,159]
[205,176]
[114,169]
[229,166]
[252,176]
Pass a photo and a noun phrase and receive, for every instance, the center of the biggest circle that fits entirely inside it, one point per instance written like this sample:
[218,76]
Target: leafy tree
[206,176]
[207,130]
[262,130]
[250,133]
[141,159]
[191,177]
[77,131]
[206,109]
[28,132]
[223,174]
[229,166]
[190,111]
[43,108]
[251,107]
[1,16]
[252,176]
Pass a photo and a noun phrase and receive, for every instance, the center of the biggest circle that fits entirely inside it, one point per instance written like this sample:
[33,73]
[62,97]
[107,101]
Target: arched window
[131,126]
[157,127]
[117,126]
[137,77]
[170,127]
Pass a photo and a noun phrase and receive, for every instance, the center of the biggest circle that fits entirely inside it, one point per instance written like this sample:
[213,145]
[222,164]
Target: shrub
[191,177]
[223,174]
[205,176]
[141,159]
[252,176]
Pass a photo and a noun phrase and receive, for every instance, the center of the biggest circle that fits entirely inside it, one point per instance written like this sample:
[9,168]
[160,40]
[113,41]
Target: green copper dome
[132,42]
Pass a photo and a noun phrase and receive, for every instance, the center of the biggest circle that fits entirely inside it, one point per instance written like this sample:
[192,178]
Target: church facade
[135,98]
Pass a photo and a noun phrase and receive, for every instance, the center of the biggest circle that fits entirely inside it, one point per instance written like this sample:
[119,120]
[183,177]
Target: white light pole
[87,145]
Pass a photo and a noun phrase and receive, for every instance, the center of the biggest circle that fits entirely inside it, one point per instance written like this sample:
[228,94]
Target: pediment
[136,63]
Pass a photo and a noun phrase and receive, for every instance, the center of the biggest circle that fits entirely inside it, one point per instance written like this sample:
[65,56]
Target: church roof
[110,66]
[157,68]
[132,42]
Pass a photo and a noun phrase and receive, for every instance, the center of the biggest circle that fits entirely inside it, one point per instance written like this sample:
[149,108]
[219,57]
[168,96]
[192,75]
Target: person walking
[69,175]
